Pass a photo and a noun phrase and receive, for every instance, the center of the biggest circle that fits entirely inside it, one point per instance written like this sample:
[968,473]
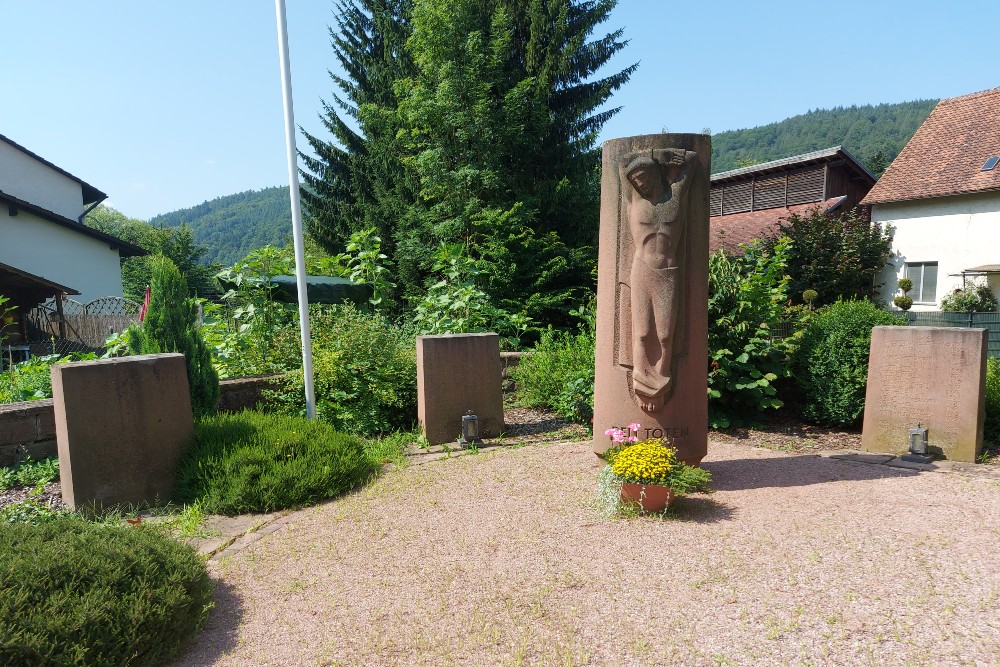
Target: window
[924,277]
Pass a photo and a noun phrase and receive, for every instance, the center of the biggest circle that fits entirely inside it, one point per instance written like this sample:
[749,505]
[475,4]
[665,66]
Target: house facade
[752,202]
[942,197]
[44,245]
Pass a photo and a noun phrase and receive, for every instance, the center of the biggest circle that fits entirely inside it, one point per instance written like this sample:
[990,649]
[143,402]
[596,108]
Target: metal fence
[988,321]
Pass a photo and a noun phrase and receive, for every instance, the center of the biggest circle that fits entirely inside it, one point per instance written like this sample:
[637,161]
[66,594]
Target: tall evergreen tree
[487,137]
[356,180]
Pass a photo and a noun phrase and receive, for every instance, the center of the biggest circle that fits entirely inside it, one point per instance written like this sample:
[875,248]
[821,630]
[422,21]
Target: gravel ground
[500,558]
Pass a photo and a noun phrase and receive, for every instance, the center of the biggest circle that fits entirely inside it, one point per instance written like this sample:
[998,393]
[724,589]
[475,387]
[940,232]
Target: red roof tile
[730,231]
[946,154]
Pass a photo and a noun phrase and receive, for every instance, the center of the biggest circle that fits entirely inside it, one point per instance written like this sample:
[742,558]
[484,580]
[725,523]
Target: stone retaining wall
[31,427]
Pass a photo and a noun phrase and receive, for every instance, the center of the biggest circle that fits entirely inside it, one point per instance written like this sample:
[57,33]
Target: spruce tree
[171,326]
[481,132]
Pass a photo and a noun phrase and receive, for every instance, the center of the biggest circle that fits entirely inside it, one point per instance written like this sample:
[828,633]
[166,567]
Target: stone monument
[457,373]
[652,291]
[932,375]
[121,428]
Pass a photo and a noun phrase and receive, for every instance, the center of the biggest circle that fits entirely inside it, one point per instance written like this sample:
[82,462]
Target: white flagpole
[293,191]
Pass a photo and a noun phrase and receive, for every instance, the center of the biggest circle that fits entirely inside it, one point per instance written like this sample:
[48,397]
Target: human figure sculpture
[657,219]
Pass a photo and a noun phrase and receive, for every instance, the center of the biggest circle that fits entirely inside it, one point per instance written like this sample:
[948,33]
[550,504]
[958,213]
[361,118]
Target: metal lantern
[470,429]
[918,446]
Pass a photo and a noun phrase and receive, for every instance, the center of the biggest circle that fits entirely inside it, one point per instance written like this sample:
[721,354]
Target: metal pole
[293,192]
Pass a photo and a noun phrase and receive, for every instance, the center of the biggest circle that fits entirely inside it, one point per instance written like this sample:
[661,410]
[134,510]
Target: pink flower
[633,427]
[610,431]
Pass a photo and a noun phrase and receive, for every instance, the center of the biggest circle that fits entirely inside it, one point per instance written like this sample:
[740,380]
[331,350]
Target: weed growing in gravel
[29,473]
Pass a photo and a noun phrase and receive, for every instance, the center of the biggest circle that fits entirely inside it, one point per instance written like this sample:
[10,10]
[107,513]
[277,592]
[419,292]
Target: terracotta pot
[651,497]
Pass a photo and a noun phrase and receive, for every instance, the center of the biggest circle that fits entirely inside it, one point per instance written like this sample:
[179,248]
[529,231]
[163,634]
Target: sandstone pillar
[652,291]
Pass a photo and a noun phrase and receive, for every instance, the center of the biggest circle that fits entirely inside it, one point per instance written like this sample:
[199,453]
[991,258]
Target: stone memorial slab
[652,291]
[932,375]
[121,428]
[457,373]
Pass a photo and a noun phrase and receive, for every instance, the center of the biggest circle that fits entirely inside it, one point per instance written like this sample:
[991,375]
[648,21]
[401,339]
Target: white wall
[28,179]
[53,252]
[957,232]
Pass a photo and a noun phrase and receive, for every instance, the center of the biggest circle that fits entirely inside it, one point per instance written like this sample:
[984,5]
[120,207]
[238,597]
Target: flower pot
[651,497]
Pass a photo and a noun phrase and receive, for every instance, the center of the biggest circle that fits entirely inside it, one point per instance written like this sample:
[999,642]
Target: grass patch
[257,462]
[73,592]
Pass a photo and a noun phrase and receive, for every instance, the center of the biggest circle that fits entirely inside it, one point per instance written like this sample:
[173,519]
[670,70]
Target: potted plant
[647,473]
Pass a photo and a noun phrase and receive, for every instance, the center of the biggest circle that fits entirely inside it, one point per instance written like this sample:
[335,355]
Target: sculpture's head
[643,172]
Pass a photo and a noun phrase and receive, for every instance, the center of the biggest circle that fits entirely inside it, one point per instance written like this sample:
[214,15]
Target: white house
[45,249]
[942,196]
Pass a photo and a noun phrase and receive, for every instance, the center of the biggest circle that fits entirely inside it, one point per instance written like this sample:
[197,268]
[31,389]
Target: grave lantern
[918,451]
[470,429]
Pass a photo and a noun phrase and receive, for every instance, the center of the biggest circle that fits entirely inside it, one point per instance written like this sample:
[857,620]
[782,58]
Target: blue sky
[164,105]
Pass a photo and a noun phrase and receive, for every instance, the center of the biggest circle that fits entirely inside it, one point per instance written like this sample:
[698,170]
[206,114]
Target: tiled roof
[730,231]
[784,164]
[946,155]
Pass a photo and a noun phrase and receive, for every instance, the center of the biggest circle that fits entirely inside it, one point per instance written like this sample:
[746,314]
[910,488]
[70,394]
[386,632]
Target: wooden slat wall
[801,186]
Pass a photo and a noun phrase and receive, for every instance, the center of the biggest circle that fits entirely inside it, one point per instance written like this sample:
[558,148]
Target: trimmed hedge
[257,462]
[831,364]
[79,593]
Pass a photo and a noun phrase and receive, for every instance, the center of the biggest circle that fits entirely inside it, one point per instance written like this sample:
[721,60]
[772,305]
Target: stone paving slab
[221,532]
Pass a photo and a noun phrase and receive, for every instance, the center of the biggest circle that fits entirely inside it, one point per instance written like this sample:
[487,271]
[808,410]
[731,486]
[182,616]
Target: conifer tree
[171,326]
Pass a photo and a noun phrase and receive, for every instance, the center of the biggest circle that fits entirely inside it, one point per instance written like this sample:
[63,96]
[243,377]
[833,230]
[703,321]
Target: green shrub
[255,462]
[992,428]
[976,298]
[171,326]
[747,295]
[831,364]
[79,593]
[365,373]
[559,374]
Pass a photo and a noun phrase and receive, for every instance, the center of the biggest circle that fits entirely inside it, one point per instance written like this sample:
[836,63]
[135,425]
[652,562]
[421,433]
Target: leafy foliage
[230,227]
[873,133]
[30,473]
[31,380]
[559,373]
[975,298]
[171,325]
[178,244]
[831,364]
[991,431]
[480,133]
[365,373]
[256,462]
[838,256]
[745,306]
[79,593]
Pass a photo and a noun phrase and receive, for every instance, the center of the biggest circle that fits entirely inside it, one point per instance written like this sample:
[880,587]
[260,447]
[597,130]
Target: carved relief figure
[657,219]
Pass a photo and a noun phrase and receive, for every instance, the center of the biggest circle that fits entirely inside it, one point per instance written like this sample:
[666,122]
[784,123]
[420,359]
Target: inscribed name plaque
[652,291]
[932,375]
[121,428]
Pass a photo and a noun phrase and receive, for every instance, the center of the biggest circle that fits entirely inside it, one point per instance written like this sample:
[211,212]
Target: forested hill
[863,131]
[234,225]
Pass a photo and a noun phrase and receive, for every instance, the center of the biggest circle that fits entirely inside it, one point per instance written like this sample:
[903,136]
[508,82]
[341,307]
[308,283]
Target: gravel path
[500,558]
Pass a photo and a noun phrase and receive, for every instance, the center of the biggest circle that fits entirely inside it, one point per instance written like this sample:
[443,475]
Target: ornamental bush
[559,373]
[831,363]
[992,428]
[365,373]
[79,593]
[972,299]
[256,462]
[746,302]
